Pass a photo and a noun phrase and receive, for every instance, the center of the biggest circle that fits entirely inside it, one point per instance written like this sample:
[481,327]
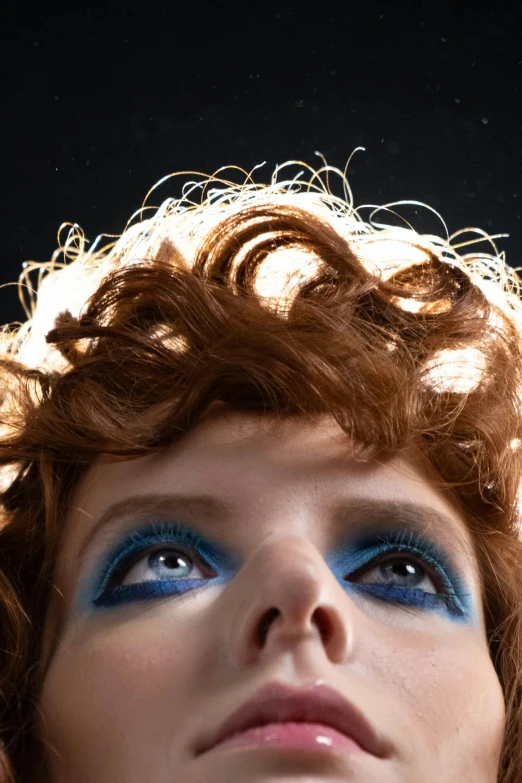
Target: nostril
[323,624]
[320,620]
[265,623]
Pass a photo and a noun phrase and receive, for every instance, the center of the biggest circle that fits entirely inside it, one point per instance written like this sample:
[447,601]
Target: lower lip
[297,736]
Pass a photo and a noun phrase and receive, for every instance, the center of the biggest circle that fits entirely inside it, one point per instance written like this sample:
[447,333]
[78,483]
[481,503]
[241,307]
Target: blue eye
[403,568]
[164,559]
[161,564]
[399,571]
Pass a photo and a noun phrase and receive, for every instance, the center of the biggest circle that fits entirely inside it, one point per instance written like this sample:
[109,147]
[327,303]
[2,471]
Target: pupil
[170,561]
[167,561]
[404,569]
[400,572]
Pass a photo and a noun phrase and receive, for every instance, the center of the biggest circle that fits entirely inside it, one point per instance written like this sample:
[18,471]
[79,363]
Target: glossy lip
[317,703]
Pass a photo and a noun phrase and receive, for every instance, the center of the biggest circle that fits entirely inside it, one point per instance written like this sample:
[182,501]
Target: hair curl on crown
[276,299]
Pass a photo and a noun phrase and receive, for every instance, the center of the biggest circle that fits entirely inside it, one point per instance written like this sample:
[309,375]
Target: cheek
[115,687]
[451,702]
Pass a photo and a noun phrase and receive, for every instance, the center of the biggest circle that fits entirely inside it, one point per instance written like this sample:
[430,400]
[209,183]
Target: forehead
[244,462]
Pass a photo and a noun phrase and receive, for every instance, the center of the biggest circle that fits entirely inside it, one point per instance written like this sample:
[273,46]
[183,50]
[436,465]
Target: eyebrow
[345,513]
[410,516]
[212,508]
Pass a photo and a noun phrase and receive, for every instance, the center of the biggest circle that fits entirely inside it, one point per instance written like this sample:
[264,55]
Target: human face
[267,555]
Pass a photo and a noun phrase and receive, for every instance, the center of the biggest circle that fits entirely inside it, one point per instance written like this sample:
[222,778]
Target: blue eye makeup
[163,548]
[392,567]
[399,567]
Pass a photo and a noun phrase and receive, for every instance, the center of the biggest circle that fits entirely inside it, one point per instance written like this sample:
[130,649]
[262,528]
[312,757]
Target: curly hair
[276,299]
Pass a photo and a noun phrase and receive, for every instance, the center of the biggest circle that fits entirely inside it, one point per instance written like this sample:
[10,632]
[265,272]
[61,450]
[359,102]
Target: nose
[286,594]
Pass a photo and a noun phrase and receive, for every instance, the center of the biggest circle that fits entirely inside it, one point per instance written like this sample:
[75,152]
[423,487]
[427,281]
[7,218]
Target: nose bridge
[287,594]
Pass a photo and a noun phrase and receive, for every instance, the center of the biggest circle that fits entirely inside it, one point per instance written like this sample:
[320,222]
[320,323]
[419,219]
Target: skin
[129,690]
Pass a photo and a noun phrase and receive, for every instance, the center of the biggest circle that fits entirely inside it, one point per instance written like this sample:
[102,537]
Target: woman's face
[265,564]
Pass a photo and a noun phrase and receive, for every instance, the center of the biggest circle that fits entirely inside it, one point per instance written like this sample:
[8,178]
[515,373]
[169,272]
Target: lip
[280,703]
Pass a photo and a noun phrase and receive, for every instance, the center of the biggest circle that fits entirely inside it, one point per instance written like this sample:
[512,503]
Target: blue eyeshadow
[101,592]
[355,555]
[346,560]
[143,591]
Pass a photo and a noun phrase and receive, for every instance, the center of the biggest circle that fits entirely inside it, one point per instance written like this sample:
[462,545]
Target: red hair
[401,340]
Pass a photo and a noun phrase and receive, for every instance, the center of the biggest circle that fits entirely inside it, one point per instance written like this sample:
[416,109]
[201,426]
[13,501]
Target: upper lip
[317,703]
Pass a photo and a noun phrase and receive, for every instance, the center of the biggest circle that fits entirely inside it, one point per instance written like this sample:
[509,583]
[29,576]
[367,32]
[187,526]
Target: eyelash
[142,542]
[417,549]
[369,553]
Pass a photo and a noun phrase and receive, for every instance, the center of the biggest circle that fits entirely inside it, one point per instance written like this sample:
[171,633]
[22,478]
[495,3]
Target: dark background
[100,102]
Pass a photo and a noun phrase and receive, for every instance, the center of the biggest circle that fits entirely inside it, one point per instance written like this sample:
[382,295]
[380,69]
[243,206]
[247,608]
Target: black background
[99,102]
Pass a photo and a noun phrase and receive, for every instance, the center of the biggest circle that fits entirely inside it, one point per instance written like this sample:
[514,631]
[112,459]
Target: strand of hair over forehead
[75,269]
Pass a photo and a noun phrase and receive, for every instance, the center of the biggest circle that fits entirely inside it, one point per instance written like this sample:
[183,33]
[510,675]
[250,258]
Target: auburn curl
[273,299]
